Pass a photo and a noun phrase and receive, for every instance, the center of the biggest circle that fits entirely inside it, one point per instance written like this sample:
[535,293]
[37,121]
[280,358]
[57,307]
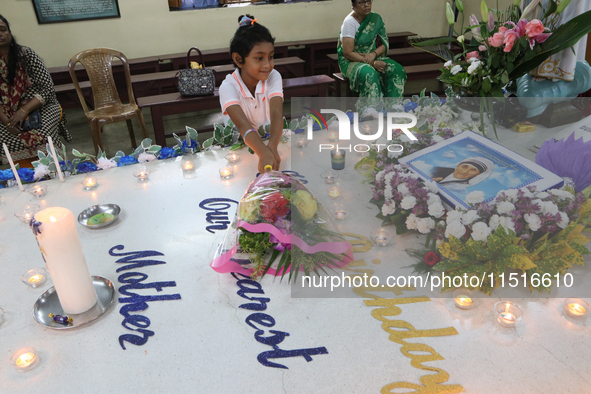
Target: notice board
[55,11]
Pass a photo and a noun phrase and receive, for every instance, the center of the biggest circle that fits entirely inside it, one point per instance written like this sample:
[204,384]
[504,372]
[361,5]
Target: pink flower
[496,40]
[491,21]
[503,30]
[533,28]
[509,41]
[482,48]
[473,54]
[521,26]
[475,30]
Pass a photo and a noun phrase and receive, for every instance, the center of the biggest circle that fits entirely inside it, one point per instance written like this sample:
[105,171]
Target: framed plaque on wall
[56,11]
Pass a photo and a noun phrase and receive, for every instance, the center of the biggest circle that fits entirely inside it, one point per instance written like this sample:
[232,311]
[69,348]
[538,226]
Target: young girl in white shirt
[253,95]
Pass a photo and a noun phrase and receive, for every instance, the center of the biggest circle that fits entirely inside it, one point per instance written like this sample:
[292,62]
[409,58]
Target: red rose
[273,206]
[432,258]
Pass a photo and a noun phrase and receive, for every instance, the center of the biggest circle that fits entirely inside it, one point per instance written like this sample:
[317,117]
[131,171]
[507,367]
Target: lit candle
[301,142]
[340,214]
[463,299]
[38,191]
[381,237]
[35,277]
[26,214]
[188,166]
[576,308]
[334,192]
[333,136]
[366,129]
[226,173]
[89,183]
[142,174]
[58,240]
[24,359]
[508,314]
[330,177]
[232,157]
[337,159]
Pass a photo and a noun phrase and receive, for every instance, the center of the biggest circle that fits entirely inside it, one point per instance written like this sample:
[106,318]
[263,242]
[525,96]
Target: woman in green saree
[362,50]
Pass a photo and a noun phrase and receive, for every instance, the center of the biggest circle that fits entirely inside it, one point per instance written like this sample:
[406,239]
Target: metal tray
[101,209]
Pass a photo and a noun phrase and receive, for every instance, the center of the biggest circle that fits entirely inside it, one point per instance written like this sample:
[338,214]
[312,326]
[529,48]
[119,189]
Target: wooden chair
[107,104]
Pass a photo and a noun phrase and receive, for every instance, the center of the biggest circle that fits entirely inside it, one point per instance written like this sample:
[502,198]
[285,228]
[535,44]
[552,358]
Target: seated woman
[26,86]
[362,50]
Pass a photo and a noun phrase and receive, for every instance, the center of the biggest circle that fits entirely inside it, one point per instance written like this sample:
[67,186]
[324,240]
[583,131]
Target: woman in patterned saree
[25,86]
[362,50]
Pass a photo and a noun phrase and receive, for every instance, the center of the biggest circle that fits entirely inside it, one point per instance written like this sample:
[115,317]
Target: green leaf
[51,167]
[146,143]
[218,135]
[227,131]
[45,161]
[192,132]
[77,154]
[41,155]
[486,86]
[154,149]
[177,138]
[208,143]
[293,125]
[119,154]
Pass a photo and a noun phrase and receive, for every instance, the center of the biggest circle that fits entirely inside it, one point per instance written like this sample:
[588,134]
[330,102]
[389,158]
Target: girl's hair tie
[246,21]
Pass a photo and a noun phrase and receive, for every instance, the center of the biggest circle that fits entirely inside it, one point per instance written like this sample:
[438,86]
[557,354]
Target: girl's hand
[379,65]
[276,156]
[266,158]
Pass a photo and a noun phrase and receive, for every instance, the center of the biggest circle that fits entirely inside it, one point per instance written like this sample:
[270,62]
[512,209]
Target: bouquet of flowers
[280,228]
[536,232]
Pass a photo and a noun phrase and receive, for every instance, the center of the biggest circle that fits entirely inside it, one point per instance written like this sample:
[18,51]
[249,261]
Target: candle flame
[25,359]
[578,308]
[52,219]
[35,278]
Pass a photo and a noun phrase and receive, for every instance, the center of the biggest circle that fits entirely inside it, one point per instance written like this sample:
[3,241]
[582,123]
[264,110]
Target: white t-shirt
[350,27]
[233,91]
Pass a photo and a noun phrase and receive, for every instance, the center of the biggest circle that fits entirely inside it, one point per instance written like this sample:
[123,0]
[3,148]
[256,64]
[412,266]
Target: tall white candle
[18,179]
[57,236]
[55,160]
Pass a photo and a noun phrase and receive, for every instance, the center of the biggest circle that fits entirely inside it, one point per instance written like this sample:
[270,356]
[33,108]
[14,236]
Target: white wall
[148,28]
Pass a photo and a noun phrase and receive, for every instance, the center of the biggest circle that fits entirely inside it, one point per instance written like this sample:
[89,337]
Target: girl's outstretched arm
[253,140]
[276,111]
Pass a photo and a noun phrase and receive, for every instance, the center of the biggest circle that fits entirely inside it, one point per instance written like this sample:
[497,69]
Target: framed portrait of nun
[470,162]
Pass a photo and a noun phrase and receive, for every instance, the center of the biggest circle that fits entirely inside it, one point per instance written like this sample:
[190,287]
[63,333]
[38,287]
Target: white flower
[433,199]
[408,202]
[475,197]
[104,163]
[563,220]
[455,228]
[398,107]
[473,66]
[432,186]
[388,177]
[394,155]
[436,210]
[472,60]
[466,82]
[494,222]
[452,216]
[402,188]
[461,39]
[526,192]
[448,63]
[40,171]
[144,157]
[411,222]
[469,217]
[505,207]
[542,195]
[548,207]
[511,194]
[533,220]
[437,138]
[380,175]
[456,69]
[388,192]
[562,194]
[388,208]
[480,231]
[425,225]
[507,223]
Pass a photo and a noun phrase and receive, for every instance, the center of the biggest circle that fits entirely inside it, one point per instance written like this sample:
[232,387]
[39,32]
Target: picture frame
[470,162]
[59,11]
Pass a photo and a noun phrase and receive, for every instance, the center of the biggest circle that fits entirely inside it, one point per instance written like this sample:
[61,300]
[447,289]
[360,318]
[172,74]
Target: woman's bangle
[375,53]
[245,134]
[26,113]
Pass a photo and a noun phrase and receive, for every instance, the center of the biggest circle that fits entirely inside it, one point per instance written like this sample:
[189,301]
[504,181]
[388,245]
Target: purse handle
[189,57]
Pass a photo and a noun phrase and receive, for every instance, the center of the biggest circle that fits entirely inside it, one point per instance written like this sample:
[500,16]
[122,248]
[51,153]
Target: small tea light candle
[330,177]
[337,159]
[38,191]
[24,359]
[463,299]
[339,212]
[35,277]
[27,213]
[188,166]
[508,313]
[302,142]
[226,173]
[142,174]
[381,237]
[89,183]
[576,308]
[232,157]
[333,136]
[366,129]
[334,192]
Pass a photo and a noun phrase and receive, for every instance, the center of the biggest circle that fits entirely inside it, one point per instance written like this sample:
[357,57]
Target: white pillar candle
[57,236]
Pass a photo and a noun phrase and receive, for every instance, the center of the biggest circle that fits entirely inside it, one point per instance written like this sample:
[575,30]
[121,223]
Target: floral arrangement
[278,219]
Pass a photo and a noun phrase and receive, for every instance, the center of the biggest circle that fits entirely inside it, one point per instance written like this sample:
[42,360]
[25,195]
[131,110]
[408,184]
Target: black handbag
[196,82]
[32,121]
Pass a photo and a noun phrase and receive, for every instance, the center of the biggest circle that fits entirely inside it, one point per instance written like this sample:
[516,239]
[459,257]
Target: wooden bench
[421,71]
[173,103]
